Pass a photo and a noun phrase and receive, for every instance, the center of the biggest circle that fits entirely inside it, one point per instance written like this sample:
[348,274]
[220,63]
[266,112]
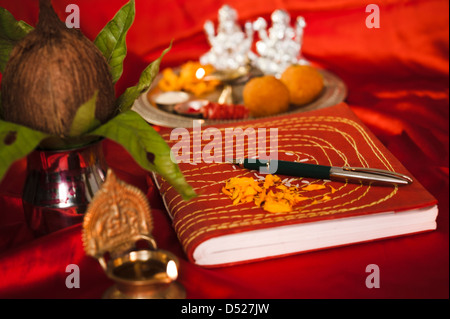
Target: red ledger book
[215,229]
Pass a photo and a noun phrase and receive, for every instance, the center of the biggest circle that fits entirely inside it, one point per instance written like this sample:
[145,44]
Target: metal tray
[334,92]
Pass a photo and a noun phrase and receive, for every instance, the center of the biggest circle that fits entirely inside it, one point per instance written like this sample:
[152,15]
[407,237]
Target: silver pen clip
[369,175]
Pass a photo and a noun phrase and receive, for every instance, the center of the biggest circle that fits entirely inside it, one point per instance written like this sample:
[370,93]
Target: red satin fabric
[397,78]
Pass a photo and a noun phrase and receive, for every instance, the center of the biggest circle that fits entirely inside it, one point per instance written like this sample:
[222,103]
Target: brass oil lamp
[117,232]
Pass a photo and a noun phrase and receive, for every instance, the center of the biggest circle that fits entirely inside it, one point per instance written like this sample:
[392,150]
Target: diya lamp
[228,78]
[117,232]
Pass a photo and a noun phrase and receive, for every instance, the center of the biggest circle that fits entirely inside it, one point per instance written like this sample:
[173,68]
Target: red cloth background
[397,78]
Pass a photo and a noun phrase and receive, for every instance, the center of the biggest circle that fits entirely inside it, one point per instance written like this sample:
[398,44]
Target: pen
[343,174]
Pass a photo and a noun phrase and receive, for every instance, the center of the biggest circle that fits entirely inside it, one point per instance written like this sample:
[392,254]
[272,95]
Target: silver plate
[334,92]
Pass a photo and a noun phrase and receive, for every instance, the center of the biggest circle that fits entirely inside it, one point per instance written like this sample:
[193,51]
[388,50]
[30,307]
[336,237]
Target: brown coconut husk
[51,73]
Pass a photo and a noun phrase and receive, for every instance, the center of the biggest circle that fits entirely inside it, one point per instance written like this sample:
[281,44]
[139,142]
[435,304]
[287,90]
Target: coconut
[51,73]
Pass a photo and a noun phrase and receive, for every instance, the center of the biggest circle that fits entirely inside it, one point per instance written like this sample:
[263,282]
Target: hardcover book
[243,215]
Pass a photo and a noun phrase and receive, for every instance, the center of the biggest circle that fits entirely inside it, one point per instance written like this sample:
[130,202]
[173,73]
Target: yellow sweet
[265,96]
[304,83]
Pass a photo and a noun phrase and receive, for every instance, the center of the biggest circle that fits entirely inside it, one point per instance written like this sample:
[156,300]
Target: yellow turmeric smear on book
[271,194]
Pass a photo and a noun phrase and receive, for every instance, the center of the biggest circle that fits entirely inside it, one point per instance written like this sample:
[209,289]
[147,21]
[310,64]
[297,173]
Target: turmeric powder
[270,194]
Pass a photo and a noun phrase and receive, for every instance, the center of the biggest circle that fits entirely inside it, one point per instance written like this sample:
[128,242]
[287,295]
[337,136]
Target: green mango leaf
[112,39]
[11,32]
[84,120]
[126,100]
[147,147]
[16,142]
